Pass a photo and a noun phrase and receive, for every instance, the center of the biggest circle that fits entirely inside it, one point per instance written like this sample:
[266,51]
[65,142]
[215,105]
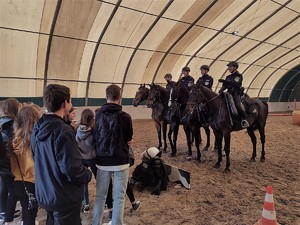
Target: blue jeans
[92,164]
[119,186]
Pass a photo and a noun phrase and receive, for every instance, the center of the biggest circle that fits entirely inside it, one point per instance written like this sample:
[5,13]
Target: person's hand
[130,142]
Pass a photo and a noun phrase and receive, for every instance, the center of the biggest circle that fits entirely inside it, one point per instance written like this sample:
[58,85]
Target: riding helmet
[186,68]
[233,63]
[204,67]
[151,152]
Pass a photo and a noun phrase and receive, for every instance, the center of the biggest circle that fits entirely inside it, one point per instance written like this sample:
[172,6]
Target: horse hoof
[262,160]
[252,159]
[172,155]
[217,166]
[227,170]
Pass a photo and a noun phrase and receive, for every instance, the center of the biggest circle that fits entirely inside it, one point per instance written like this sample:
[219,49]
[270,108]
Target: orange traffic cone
[268,214]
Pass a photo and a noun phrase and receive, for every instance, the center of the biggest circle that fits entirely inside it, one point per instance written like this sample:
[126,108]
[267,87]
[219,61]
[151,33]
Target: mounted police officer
[186,79]
[168,78]
[205,80]
[233,84]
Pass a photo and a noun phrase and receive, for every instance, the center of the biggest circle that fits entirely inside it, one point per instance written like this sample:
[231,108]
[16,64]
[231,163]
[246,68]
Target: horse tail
[267,106]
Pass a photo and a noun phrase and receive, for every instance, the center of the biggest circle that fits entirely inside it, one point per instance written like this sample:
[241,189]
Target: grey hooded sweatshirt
[85,141]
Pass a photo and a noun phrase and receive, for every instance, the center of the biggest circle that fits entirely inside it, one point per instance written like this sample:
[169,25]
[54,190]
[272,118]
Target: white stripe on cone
[269,198]
[269,215]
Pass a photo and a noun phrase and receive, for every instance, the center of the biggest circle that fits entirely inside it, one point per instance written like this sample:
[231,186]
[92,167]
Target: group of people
[45,158]
[232,83]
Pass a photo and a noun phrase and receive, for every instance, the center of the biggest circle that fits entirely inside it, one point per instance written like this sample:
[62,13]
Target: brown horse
[141,95]
[218,118]
[157,98]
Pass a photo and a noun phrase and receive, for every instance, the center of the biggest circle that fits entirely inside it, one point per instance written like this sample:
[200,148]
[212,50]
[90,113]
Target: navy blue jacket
[187,81]
[233,83]
[126,125]
[206,81]
[59,173]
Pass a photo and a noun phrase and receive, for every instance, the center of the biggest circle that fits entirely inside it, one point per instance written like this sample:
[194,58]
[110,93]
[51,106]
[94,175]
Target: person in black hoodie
[59,172]
[113,133]
[8,112]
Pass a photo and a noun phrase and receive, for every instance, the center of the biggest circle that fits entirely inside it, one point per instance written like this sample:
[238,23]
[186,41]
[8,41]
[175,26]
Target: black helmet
[233,63]
[204,67]
[186,68]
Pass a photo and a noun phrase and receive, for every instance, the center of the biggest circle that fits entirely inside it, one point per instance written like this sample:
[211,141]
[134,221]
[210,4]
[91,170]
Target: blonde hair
[24,122]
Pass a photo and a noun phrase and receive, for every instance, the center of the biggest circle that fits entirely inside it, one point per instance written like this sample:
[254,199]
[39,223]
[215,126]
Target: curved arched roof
[87,44]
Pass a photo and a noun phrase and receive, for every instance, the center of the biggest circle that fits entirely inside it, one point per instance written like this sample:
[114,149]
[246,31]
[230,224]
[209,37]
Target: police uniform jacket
[187,81]
[233,83]
[206,80]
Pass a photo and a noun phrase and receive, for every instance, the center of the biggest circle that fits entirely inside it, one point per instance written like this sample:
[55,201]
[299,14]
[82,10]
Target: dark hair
[87,116]
[113,92]
[55,95]
[10,107]
[168,75]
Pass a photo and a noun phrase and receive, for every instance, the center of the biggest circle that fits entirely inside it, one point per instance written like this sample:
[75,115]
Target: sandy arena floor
[215,197]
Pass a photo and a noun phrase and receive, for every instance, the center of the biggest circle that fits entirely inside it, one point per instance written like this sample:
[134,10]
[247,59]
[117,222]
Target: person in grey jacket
[86,144]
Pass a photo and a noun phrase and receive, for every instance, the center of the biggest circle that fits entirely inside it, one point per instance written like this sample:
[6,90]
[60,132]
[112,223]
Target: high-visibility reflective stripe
[269,198]
[269,215]
[269,206]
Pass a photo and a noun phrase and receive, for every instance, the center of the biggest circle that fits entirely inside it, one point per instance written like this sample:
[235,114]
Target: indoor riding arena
[234,69]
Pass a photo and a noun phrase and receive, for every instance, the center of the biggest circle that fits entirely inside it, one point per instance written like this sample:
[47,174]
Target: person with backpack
[113,131]
[8,112]
[59,173]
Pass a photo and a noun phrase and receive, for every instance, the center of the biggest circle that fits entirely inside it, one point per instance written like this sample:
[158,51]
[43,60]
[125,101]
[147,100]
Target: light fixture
[235,32]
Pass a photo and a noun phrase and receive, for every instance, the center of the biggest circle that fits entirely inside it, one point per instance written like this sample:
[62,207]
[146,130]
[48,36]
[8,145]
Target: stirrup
[244,124]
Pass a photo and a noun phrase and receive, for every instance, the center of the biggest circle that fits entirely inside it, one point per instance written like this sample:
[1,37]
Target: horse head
[141,94]
[154,95]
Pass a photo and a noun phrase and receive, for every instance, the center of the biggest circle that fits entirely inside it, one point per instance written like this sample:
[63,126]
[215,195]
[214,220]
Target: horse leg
[158,130]
[171,127]
[251,133]
[187,131]
[196,132]
[218,138]
[263,140]
[227,150]
[175,135]
[207,132]
[164,129]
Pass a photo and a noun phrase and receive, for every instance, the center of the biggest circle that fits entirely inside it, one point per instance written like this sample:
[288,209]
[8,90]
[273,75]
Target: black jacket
[233,83]
[206,81]
[126,125]
[187,81]
[59,173]
[6,124]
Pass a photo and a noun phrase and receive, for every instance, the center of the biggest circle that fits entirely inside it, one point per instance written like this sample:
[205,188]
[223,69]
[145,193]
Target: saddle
[247,104]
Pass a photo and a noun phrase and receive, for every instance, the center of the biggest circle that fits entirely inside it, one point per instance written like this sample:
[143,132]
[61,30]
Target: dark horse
[178,98]
[157,101]
[195,119]
[220,121]
[160,123]
[141,95]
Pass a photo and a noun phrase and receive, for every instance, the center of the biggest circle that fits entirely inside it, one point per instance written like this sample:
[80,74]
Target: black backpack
[109,134]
